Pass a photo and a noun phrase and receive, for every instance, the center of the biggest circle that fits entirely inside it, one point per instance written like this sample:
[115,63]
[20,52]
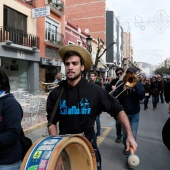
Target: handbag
[26,143]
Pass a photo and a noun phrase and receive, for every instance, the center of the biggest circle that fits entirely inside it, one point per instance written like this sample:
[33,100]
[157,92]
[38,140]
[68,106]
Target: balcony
[54,38]
[15,36]
[57,8]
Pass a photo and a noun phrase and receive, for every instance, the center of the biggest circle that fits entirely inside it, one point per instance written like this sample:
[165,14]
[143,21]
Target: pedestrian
[160,88]
[88,98]
[147,92]
[130,97]
[154,92]
[94,79]
[166,133]
[10,126]
[119,72]
[58,77]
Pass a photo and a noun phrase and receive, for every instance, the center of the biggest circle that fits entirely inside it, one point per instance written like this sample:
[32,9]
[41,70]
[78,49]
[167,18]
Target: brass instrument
[50,86]
[129,80]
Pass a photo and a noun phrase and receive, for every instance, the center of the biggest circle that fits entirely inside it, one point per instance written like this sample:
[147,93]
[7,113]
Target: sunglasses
[120,73]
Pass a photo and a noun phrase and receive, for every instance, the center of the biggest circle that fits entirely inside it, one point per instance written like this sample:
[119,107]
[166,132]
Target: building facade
[19,44]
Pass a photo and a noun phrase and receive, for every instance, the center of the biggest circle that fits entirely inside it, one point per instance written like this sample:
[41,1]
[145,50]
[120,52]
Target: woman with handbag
[10,126]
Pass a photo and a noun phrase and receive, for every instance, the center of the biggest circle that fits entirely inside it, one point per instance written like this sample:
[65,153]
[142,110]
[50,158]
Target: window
[52,31]
[14,19]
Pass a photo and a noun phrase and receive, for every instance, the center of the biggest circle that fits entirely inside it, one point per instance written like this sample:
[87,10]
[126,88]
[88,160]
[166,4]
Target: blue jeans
[118,129]
[134,123]
[98,125]
[155,100]
[15,166]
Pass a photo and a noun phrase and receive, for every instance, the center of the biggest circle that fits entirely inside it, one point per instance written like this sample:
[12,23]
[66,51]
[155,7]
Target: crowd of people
[120,97]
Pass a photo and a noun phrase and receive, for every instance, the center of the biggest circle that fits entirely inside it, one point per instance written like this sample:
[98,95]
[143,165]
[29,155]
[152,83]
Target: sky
[148,21]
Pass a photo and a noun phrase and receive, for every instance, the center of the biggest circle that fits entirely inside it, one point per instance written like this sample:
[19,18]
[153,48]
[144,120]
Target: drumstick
[133,159]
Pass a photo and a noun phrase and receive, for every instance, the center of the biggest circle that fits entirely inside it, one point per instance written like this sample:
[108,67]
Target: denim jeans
[155,100]
[98,125]
[146,99]
[15,166]
[118,129]
[161,97]
[134,123]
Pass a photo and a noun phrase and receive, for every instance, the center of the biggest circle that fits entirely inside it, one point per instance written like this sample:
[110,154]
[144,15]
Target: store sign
[41,12]
[46,61]
[20,54]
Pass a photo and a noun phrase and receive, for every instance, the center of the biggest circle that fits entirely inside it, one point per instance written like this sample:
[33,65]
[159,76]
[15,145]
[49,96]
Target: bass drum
[70,152]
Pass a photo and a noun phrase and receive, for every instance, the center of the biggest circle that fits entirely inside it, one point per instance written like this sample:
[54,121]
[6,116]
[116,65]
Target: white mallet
[133,159]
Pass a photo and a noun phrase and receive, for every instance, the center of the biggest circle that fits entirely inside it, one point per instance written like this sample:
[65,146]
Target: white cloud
[148,39]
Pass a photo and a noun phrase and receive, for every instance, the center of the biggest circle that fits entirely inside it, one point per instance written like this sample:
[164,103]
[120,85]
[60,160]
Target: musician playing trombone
[129,95]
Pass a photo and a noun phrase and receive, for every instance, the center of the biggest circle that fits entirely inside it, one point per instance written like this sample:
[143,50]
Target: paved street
[151,151]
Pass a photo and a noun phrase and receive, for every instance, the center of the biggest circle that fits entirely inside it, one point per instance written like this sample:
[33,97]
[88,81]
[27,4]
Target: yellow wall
[31,23]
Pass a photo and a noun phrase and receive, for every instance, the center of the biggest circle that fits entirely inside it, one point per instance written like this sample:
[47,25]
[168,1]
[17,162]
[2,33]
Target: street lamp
[88,42]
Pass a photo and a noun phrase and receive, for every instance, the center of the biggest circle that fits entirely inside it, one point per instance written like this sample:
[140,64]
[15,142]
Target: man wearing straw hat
[82,101]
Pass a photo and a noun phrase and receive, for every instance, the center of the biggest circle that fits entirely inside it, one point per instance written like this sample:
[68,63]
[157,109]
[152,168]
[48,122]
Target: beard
[75,77]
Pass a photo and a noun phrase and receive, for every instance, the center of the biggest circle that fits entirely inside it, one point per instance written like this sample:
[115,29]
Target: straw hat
[83,52]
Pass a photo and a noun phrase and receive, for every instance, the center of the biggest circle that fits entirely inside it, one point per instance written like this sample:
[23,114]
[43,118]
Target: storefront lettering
[20,54]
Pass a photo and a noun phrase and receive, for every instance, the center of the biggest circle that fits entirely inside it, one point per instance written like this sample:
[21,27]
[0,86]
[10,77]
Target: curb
[39,125]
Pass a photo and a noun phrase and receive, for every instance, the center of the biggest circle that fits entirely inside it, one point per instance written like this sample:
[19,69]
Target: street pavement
[152,153]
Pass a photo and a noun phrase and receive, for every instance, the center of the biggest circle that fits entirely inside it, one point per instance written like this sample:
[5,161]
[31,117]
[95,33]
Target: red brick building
[88,14]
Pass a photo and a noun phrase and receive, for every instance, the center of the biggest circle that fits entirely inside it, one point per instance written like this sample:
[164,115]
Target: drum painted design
[55,152]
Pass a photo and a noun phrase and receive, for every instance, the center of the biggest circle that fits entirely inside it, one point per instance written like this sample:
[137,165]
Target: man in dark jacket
[119,72]
[10,126]
[82,101]
[130,98]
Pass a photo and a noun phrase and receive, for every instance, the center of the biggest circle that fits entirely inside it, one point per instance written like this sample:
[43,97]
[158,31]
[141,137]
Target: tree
[100,46]
[162,70]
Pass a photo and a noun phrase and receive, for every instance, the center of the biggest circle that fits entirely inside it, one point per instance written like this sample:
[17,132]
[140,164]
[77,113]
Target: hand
[113,88]
[130,142]
[125,87]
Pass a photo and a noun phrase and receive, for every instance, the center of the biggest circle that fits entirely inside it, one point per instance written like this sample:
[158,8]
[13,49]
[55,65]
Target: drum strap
[55,107]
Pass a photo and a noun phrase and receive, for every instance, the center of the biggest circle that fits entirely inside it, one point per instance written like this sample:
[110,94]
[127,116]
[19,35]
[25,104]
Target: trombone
[50,86]
[129,80]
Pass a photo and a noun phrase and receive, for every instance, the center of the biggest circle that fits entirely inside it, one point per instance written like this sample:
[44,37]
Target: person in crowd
[160,88]
[119,72]
[10,126]
[154,92]
[107,84]
[95,79]
[166,133]
[147,92]
[58,77]
[130,97]
[88,100]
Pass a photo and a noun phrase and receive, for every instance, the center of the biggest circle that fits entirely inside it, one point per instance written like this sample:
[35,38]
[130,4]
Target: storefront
[22,66]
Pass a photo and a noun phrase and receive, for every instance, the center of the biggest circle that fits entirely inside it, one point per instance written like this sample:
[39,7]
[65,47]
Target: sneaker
[125,152]
[118,140]
[129,166]
[97,135]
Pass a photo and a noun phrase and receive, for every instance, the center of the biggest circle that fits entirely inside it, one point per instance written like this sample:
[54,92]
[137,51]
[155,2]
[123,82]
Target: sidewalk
[28,128]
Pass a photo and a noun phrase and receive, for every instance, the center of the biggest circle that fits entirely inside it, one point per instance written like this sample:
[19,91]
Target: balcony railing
[58,4]
[54,37]
[18,37]
[57,7]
